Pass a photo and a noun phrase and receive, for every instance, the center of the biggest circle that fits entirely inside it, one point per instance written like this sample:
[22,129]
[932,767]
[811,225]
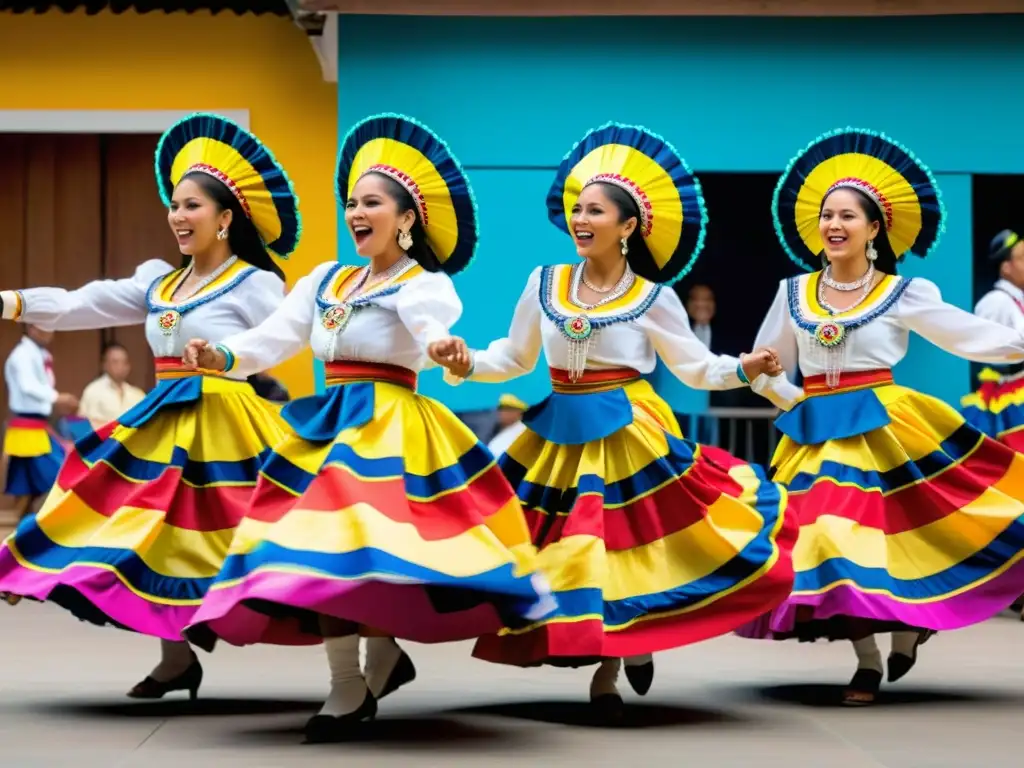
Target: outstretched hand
[199,353]
[762,360]
[452,353]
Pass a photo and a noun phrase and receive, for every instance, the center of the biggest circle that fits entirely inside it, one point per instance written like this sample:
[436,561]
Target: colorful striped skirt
[650,541]
[997,408]
[143,511]
[384,510]
[34,455]
[909,517]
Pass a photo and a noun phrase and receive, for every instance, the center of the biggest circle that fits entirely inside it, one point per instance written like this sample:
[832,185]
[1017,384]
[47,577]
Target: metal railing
[746,433]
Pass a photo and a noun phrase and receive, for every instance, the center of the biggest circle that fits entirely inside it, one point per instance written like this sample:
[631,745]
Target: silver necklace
[831,334]
[578,329]
[336,318]
[169,321]
[595,289]
[831,282]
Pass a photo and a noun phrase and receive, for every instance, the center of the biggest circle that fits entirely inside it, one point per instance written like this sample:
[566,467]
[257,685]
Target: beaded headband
[879,199]
[222,177]
[220,148]
[407,183]
[901,186]
[643,203]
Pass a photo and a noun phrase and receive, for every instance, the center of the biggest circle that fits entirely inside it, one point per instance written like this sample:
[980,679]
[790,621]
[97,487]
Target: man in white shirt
[1004,304]
[34,452]
[510,424]
[110,396]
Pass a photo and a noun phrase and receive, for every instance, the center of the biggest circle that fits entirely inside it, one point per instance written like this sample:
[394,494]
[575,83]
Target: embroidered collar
[555,288]
[158,297]
[327,294]
[808,313]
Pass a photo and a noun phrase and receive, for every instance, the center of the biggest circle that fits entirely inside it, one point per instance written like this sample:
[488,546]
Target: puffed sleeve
[99,304]
[691,362]
[284,333]
[259,296]
[516,354]
[777,332]
[922,310]
[428,307]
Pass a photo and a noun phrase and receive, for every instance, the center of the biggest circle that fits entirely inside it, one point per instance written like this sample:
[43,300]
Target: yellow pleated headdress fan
[219,147]
[668,196]
[899,184]
[409,153]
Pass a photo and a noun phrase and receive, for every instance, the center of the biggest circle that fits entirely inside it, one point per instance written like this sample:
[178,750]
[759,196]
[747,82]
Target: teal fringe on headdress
[258,155]
[408,130]
[804,161]
[662,152]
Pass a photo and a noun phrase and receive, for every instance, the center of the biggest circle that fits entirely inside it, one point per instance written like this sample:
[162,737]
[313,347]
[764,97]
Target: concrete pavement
[721,704]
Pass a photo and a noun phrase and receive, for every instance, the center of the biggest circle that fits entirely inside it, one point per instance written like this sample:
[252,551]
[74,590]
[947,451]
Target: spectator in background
[700,306]
[34,451]
[110,395]
[510,424]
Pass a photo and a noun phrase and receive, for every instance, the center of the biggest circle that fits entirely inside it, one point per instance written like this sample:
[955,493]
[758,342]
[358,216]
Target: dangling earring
[623,246]
[871,253]
[404,240]
[222,234]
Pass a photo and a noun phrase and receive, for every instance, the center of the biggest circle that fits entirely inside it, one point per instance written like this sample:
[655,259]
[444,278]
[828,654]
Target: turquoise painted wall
[512,95]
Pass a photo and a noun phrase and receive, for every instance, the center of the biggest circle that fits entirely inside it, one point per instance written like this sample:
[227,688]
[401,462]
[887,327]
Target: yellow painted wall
[193,62]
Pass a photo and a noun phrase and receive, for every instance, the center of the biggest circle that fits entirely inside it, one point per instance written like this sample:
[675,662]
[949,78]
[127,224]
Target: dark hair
[886,261]
[113,345]
[419,251]
[639,256]
[243,238]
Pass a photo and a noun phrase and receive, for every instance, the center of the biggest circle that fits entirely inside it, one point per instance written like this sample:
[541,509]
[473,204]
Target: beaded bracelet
[229,357]
[742,374]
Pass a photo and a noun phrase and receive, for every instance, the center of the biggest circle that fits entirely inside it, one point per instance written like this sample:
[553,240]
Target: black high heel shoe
[325,729]
[863,688]
[898,664]
[403,673]
[640,677]
[189,680]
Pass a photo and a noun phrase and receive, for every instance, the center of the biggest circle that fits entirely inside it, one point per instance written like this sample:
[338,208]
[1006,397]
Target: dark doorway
[996,204]
[742,263]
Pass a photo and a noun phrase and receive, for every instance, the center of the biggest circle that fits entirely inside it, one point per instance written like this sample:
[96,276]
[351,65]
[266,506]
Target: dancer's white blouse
[895,307]
[1004,305]
[240,298]
[648,322]
[394,322]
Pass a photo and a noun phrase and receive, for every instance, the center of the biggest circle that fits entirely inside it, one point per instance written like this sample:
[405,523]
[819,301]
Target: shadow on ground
[822,695]
[398,733]
[580,714]
[211,707]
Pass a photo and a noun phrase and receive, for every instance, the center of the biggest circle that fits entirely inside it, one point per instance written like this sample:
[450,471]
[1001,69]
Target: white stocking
[868,655]
[903,642]
[603,682]
[348,689]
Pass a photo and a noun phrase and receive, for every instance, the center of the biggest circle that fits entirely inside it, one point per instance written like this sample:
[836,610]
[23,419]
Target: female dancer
[997,408]
[651,541]
[910,519]
[143,510]
[385,511]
